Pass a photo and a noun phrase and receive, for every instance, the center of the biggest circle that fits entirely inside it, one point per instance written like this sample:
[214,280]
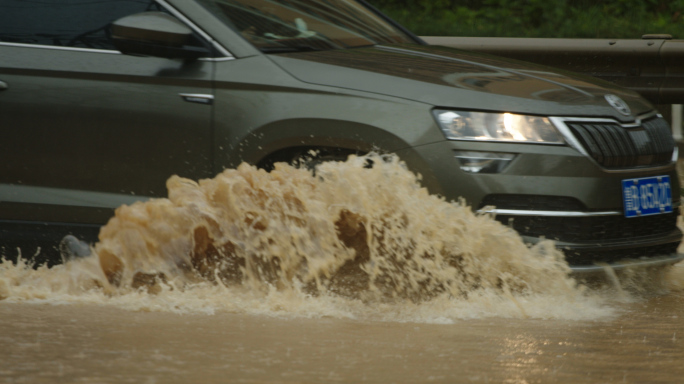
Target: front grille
[591,257]
[592,228]
[613,146]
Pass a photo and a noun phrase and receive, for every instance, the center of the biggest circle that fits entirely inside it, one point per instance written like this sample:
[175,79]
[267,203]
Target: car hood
[451,78]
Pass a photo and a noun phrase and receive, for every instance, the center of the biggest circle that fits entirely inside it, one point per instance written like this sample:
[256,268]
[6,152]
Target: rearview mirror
[155,34]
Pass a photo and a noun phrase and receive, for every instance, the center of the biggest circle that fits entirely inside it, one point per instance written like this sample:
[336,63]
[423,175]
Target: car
[102,101]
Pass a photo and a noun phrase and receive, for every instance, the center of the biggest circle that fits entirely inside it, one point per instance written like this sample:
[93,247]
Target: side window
[66,23]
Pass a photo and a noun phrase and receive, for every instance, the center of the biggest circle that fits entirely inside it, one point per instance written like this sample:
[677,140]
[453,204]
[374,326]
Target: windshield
[292,25]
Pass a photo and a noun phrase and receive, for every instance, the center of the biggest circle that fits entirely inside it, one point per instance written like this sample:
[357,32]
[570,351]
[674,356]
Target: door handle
[3,86]
[199,98]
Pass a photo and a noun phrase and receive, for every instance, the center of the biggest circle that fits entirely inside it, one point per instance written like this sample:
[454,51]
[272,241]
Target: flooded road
[46,343]
[355,275]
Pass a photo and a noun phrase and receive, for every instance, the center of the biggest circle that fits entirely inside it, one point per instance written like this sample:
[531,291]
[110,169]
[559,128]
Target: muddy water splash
[348,241]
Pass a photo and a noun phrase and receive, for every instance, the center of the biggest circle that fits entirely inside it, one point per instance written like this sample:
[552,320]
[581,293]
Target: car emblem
[618,104]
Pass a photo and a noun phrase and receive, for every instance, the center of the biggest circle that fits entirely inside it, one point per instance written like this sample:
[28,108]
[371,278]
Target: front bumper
[588,238]
[558,193]
[654,262]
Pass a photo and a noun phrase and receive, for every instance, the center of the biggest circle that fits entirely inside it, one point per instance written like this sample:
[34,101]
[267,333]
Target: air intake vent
[595,229]
[613,146]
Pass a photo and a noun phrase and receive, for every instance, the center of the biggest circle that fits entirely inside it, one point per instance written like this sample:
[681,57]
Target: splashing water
[349,241]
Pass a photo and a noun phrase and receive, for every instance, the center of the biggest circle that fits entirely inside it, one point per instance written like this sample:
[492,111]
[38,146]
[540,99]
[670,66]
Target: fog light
[483,162]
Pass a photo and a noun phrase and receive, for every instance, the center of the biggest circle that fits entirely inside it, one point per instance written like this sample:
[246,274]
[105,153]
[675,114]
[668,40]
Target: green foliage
[538,18]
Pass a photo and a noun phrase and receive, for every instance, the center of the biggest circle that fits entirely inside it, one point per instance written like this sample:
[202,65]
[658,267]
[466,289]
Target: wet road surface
[48,343]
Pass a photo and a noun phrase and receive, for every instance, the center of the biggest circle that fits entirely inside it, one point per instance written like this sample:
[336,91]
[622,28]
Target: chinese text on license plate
[647,196]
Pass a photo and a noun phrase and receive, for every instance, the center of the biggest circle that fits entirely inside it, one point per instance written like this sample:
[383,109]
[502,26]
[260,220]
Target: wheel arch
[276,138]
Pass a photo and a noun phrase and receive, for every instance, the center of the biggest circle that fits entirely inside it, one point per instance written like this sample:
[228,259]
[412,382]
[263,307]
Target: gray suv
[102,101]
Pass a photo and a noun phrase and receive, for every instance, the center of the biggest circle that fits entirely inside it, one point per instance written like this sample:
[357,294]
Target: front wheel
[306,157]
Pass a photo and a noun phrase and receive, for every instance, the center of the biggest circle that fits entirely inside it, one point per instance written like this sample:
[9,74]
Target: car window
[68,23]
[285,25]
[65,23]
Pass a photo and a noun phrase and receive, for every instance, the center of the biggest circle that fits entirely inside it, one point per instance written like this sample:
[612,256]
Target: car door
[86,127]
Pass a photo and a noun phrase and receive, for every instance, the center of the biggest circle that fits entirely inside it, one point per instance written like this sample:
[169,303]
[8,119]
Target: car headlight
[506,127]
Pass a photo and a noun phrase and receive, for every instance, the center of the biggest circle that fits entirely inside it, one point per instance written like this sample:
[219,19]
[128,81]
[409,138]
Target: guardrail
[652,66]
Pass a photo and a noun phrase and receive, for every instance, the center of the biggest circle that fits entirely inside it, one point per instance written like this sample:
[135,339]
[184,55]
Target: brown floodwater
[89,343]
[351,275]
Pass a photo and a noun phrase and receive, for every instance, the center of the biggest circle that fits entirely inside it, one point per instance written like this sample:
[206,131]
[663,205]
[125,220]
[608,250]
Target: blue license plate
[647,196]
